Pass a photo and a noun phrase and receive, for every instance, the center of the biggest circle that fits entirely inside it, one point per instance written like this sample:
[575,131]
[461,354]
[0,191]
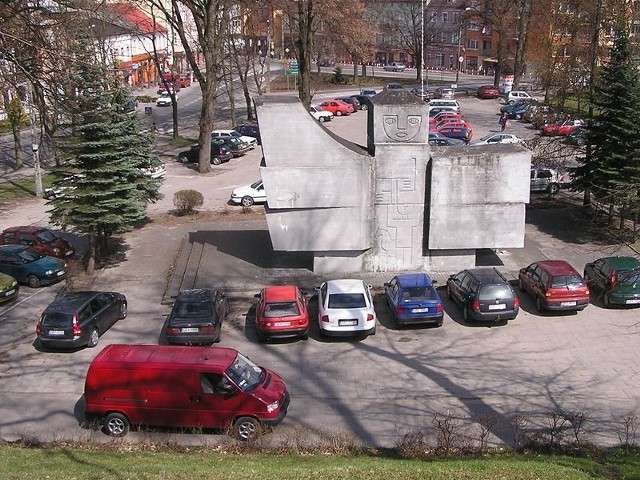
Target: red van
[175,386]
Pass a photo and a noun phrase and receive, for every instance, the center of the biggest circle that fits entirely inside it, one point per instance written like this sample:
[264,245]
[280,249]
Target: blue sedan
[29,266]
[413,299]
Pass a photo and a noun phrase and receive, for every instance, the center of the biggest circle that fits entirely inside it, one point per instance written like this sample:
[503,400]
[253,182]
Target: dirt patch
[207,216]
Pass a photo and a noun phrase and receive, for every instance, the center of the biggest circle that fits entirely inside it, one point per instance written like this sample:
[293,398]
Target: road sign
[291,68]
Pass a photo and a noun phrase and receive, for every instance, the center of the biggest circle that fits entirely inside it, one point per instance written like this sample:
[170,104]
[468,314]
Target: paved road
[376,389]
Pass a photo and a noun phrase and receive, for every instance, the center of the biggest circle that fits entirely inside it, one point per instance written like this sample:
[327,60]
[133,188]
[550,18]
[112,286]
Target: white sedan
[345,308]
[249,194]
[494,138]
[253,142]
[320,114]
[164,100]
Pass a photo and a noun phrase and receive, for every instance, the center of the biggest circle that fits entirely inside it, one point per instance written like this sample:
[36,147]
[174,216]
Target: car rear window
[347,300]
[629,276]
[570,282]
[416,294]
[192,309]
[281,309]
[46,236]
[491,292]
[57,320]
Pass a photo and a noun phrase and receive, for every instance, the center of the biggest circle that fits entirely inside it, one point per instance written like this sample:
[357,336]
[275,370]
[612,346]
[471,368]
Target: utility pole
[35,143]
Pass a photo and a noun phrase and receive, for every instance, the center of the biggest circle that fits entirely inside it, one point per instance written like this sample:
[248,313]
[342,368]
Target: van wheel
[116,425]
[553,188]
[183,159]
[246,428]
[247,201]
[33,281]
[216,161]
[338,113]
[123,311]
[93,338]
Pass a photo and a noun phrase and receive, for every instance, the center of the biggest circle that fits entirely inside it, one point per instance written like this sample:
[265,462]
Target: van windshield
[244,373]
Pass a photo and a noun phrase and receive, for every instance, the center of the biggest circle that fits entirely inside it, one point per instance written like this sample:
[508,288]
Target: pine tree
[612,171]
[103,187]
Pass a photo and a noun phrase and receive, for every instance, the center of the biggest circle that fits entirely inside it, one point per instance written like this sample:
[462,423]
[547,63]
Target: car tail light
[370,318]
[439,308]
[399,310]
[77,331]
[587,292]
[38,328]
[325,318]
[516,302]
[475,305]
[172,331]
[207,330]
[613,278]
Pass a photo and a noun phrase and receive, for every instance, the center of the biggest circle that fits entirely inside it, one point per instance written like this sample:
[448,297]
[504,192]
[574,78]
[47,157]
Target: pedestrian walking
[503,121]
[154,128]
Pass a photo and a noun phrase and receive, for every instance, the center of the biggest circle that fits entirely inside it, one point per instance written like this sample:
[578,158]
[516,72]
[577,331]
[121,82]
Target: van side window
[214,383]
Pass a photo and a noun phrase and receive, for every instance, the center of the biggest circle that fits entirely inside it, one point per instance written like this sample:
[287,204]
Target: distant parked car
[219,154]
[345,308]
[28,266]
[41,239]
[451,122]
[436,139]
[563,129]
[616,279]
[488,92]
[353,101]
[423,93]
[337,107]
[578,137]
[77,319]
[516,95]
[282,312]
[237,147]
[164,100]
[554,285]
[252,141]
[196,317]
[249,194]
[437,118]
[156,171]
[393,86]
[364,101]
[368,92]
[249,130]
[548,180]
[460,133]
[413,299]
[484,294]
[8,288]
[320,114]
[444,92]
[494,138]
[395,67]
[434,111]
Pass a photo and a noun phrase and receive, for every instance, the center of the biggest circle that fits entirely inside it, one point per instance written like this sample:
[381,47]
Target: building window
[434,18]
[472,44]
[445,17]
[474,26]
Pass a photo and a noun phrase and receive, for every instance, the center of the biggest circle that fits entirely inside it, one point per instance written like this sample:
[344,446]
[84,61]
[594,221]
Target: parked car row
[226,144]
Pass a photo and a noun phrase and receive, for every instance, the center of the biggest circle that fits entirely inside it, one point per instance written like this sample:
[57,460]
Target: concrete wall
[319,186]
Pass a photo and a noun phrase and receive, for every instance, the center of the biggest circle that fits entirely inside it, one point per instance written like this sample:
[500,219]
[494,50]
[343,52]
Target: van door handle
[195,398]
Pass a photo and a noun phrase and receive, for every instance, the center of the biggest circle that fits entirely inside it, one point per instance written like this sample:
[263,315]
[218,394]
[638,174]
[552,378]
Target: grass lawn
[21,188]
[130,462]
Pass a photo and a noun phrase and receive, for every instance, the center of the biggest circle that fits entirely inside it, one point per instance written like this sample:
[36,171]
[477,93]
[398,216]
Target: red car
[282,312]
[337,107]
[488,91]
[461,133]
[555,285]
[452,122]
[41,239]
[563,129]
[442,115]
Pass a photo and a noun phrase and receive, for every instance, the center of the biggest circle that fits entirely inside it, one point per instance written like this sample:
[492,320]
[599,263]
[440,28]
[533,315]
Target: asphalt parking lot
[377,388]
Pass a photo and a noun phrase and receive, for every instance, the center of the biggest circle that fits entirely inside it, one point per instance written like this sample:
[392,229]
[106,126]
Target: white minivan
[517,95]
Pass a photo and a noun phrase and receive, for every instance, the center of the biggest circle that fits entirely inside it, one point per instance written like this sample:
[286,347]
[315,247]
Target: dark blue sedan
[413,299]
[29,266]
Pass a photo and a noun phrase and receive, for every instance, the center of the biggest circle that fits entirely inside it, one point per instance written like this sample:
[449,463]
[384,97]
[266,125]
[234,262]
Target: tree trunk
[17,146]
[304,46]
[91,254]
[521,46]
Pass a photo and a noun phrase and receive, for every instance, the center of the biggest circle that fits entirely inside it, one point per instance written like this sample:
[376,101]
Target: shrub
[338,76]
[187,200]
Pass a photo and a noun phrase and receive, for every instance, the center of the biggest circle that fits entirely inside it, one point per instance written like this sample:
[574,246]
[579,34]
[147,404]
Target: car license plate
[420,310]
[346,323]
[568,304]
[632,301]
[10,292]
[189,330]
[499,306]
[60,273]
[56,332]
[281,324]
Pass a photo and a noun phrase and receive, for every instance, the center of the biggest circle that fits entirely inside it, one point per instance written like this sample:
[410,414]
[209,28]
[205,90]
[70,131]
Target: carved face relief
[400,128]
